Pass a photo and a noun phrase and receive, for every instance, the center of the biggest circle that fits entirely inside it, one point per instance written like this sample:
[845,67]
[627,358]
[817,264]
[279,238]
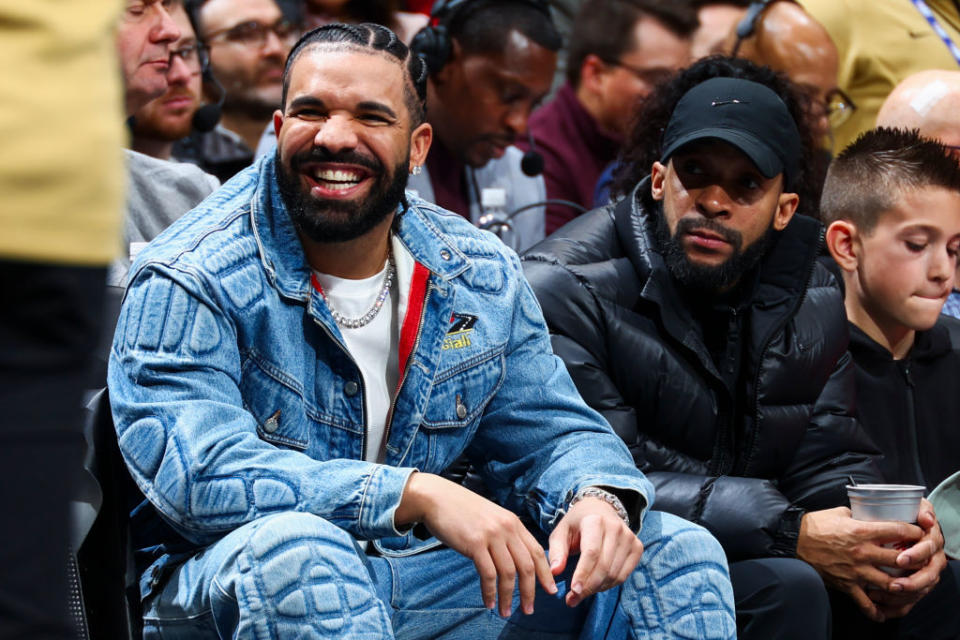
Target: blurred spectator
[929,101]
[784,37]
[158,191]
[248,42]
[490,62]
[61,176]
[384,12]
[619,51]
[880,44]
[717,20]
[164,120]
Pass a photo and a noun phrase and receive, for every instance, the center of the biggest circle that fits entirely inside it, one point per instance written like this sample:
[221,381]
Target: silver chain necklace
[362,321]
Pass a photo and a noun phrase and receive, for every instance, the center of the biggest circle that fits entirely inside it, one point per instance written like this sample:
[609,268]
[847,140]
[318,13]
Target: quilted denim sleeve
[190,444]
[538,442]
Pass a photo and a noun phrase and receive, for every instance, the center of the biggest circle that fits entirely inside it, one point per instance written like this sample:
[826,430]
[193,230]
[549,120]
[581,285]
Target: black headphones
[205,118]
[432,43]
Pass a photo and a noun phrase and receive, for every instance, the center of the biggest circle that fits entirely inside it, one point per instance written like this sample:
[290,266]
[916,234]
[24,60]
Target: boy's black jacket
[911,407]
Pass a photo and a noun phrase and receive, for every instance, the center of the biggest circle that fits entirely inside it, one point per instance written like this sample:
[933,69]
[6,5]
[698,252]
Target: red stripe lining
[411,321]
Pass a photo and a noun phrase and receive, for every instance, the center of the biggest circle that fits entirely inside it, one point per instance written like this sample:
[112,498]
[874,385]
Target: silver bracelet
[606,496]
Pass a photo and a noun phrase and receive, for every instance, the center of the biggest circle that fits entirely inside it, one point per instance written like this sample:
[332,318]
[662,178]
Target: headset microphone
[532,162]
[206,117]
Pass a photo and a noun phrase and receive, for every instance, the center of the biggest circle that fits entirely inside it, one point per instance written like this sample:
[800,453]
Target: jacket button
[461,409]
[271,423]
[351,388]
[444,254]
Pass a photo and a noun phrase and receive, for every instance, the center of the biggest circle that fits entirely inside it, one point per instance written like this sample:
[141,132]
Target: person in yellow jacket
[61,198]
[880,44]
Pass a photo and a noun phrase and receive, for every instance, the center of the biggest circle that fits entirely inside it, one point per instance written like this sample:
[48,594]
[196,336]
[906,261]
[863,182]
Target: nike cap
[743,113]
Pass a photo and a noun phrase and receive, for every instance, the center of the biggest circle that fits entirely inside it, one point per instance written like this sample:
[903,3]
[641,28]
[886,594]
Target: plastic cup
[883,502]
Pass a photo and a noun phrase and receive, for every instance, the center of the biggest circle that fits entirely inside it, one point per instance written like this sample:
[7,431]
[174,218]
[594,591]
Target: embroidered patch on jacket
[458,337]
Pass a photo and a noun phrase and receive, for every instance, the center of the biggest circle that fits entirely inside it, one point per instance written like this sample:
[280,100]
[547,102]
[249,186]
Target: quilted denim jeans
[295,575]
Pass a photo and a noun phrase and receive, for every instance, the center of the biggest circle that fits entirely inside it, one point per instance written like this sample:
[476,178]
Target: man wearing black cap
[694,316]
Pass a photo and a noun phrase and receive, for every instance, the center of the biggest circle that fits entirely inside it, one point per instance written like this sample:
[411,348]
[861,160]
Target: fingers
[559,548]
[921,581]
[541,568]
[591,541]
[506,577]
[885,532]
[526,575]
[866,605]
[488,578]
[918,555]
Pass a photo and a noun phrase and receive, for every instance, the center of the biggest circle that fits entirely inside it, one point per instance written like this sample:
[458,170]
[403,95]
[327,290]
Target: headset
[205,118]
[748,25]
[433,45]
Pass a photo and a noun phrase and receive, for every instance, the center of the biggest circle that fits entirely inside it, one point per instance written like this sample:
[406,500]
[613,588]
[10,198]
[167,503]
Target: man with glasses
[160,61]
[164,120]
[619,51]
[247,42]
[779,34]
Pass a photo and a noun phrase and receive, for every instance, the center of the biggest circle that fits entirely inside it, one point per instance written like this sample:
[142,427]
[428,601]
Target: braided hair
[368,37]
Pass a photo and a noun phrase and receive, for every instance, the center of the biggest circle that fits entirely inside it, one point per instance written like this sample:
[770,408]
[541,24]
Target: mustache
[688,225]
[319,154]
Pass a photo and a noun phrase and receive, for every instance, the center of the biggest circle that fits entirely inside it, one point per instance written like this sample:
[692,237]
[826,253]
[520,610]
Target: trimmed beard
[706,279]
[327,220]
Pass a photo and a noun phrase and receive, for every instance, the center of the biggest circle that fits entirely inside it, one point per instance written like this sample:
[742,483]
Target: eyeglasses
[653,77]
[254,34]
[193,55]
[839,106]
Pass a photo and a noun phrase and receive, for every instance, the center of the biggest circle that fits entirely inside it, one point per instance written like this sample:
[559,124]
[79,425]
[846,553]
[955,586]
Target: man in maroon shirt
[619,50]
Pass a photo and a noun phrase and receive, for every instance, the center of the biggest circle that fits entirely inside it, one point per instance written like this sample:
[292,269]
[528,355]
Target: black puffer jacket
[639,358]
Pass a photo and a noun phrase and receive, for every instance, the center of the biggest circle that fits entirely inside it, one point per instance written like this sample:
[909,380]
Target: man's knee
[780,596]
[682,579]
[301,571]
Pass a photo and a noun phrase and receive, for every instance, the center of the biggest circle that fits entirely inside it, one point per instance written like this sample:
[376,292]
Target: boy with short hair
[892,205]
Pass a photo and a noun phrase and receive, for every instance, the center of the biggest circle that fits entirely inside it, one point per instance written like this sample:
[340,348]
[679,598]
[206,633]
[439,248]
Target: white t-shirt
[375,346]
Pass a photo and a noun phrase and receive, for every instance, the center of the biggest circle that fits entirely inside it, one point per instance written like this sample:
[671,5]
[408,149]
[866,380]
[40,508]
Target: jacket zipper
[912,425]
[406,367]
[750,440]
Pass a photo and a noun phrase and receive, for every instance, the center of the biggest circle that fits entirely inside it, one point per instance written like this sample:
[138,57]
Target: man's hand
[926,559]
[609,550]
[500,546]
[847,552]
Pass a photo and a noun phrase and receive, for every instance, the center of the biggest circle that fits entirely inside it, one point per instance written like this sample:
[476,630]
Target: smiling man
[291,373]
[694,316]
[490,63]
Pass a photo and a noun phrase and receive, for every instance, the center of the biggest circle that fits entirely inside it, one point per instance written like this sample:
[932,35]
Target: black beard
[699,278]
[328,220]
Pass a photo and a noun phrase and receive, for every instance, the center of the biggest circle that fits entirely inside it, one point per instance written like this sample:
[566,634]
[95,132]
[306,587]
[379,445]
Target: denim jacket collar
[283,257]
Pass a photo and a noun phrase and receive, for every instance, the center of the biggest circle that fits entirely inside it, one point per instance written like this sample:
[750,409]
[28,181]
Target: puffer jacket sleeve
[834,447]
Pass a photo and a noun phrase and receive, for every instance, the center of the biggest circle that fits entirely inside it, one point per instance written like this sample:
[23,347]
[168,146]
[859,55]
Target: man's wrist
[606,496]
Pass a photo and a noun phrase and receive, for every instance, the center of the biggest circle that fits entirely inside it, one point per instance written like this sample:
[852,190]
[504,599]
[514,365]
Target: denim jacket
[234,397]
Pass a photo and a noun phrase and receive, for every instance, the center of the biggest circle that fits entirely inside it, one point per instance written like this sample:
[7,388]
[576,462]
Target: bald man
[788,39]
[930,102]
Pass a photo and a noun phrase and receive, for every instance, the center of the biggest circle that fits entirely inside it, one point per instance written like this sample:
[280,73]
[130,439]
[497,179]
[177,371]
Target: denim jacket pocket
[461,393]
[278,408]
